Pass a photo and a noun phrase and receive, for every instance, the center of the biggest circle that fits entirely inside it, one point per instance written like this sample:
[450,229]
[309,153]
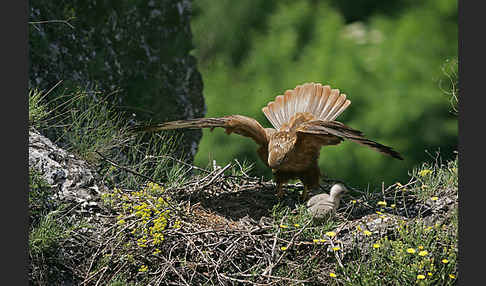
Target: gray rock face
[70,178]
[138,48]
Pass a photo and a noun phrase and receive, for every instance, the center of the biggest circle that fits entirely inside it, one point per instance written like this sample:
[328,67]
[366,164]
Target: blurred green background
[392,58]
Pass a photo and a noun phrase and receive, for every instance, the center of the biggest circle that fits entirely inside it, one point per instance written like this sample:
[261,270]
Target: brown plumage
[303,121]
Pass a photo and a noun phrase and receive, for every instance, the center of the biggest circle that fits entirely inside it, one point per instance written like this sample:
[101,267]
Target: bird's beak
[274,161]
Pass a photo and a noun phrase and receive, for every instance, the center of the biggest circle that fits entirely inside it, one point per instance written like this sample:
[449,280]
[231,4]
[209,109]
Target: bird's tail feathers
[321,101]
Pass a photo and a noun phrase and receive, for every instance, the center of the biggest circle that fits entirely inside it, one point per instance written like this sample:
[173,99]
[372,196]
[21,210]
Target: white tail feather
[321,101]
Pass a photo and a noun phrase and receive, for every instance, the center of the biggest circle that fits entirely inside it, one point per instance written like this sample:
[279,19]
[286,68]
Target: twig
[54,21]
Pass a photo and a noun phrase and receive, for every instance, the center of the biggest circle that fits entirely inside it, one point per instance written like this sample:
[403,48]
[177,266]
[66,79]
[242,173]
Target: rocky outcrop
[71,179]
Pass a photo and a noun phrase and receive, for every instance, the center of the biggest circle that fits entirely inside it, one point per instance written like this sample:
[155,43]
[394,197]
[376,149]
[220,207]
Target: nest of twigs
[227,233]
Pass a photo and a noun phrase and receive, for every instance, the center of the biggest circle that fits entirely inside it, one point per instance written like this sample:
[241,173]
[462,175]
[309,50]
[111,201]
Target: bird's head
[337,191]
[280,145]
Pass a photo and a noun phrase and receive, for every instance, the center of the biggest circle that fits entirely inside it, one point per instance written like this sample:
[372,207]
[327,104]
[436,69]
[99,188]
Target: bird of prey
[303,121]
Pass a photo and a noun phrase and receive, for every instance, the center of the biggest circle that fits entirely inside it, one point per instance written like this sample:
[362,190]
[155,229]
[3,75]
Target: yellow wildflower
[143,268]
[420,247]
[452,276]
[420,276]
[434,198]
[336,248]
[393,206]
[376,245]
[411,250]
[381,203]
[315,240]
[333,275]
[353,201]
[423,253]
[284,226]
[424,172]
[445,261]
[430,273]
[331,233]
[321,240]
[367,232]
[283,248]
[296,225]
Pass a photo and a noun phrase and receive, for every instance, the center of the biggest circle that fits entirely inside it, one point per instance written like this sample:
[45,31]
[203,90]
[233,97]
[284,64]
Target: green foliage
[435,178]
[90,124]
[45,237]
[47,231]
[46,234]
[389,66]
[416,251]
[37,110]
[87,123]
[40,198]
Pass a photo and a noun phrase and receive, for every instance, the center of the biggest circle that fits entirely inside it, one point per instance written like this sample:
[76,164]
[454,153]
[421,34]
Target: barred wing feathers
[337,129]
[238,124]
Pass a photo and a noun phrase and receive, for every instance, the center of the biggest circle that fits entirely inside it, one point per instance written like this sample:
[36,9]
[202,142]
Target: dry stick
[101,276]
[92,261]
[54,21]
[119,269]
[242,280]
[290,243]
[93,275]
[241,169]
[270,266]
[181,162]
[221,171]
[339,260]
[173,269]
[278,277]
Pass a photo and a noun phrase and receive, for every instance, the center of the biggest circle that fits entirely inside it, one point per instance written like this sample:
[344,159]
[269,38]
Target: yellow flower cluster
[143,268]
[424,172]
[318,241]
[331,233]
[145,213]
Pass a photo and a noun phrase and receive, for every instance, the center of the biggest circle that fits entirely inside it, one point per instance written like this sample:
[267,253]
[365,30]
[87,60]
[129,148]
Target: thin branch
[53,21]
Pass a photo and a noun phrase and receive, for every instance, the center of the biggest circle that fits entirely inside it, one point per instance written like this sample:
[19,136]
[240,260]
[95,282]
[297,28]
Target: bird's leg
[310,180]
[305,194]
[280,191]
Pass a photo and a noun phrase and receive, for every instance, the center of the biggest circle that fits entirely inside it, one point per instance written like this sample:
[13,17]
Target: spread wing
[238,124]
[321,132]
